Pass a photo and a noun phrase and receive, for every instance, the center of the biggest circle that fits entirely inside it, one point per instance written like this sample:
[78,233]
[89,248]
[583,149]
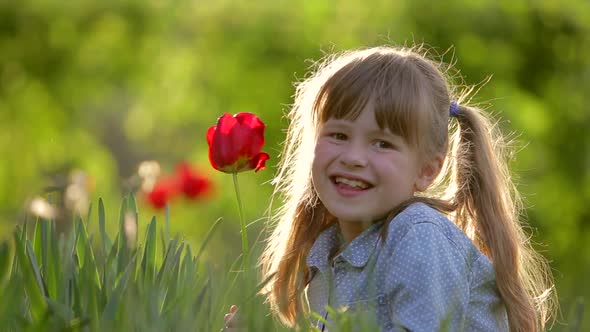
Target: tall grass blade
[34,293]
[132,209]
[5,262]
[110,310]
[36,270]
[105,241]
[122,252]
[208,237]
[148,263]
[53,263]
[167,262]
[85,252]
[37,239]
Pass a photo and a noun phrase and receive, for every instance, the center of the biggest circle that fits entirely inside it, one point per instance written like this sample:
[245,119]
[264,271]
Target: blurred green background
[99,86]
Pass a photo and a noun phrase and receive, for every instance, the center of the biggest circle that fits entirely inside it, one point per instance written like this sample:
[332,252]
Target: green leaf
[132,208]
[36,269]
[90,278]
[122,249]
[37,304]
[64,312]
[37,239]
[5,262]
[208,237]
[111,270]
[53,263]
[110,310]
[89,215]
[92,296]
[76,288]
[258,288]
[163,241]
[86,253]
[105,240]
[173,281]
[75,324]
[167,222]
[148,263]
[201,296]
[167,262]
[11,310]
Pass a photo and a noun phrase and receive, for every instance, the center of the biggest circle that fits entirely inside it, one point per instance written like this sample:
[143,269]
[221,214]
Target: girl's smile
[350,185]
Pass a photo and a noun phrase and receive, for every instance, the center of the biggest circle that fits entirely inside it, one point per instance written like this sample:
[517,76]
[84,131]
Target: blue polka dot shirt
[425,275]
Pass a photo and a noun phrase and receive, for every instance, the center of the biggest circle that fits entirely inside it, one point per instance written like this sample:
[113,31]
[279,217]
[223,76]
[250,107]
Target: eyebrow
[345,124]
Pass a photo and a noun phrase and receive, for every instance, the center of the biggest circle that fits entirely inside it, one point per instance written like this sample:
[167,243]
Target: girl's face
[361,172]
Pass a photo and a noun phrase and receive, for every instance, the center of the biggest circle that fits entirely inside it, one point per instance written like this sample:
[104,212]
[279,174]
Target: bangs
[390,83]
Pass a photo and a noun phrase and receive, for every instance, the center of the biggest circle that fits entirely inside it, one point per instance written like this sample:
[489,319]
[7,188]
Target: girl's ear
[428,173]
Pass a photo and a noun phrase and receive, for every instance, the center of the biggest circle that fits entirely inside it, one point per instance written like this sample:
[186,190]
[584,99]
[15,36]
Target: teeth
[352,183]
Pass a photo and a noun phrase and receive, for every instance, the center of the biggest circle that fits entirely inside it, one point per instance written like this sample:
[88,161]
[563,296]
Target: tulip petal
[250,120]
[162,192]
[242,135]
[192,184]
[251,129]
[210,133]
[212,149]
[225,123]
[224,145]
[259,162]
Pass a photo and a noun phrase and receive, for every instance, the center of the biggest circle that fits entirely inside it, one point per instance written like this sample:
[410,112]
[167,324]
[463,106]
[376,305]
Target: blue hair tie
[454,110]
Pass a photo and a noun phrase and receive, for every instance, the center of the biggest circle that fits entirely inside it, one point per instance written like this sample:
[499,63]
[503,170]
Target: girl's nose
[354,156]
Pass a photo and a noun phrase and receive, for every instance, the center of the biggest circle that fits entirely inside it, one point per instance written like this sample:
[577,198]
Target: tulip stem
[242,221]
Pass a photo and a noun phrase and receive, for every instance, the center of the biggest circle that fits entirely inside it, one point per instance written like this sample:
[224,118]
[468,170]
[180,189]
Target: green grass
[82,282]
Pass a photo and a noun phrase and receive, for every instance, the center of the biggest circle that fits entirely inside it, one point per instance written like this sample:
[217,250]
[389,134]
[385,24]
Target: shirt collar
[357,253]
[326,241]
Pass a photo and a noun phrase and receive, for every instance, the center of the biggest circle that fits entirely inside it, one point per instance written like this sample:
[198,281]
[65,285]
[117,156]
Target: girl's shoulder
[424,224]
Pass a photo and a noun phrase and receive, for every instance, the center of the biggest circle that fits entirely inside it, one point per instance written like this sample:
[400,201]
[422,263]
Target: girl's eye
[338,136]
[383,144]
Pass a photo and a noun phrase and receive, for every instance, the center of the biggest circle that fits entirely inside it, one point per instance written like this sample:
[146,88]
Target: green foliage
[74,282]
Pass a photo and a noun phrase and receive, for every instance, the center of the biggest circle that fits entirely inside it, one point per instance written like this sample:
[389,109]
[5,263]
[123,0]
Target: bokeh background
[91,88]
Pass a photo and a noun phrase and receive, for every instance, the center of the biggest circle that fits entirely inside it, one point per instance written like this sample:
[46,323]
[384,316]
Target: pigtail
[291,275]
[487,208]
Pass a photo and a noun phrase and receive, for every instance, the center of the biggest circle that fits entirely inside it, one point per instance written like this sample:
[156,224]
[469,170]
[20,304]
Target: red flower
[191,184]
[162,192]
[235,143]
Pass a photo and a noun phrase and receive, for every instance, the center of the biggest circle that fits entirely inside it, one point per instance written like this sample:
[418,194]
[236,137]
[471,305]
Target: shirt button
[381,300]
[388,326]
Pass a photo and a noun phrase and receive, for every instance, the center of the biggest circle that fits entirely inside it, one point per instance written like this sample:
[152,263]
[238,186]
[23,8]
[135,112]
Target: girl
[380,216]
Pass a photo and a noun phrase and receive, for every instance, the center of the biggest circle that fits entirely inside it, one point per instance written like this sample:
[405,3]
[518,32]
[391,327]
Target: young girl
[380,216]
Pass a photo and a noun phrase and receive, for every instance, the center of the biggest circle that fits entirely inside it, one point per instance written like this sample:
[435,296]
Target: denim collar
[356,253]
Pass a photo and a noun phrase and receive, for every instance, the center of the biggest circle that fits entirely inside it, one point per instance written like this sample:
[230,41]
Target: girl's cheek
[322,143]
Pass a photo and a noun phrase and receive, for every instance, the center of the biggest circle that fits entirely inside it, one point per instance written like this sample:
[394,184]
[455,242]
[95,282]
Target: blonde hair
[411,96]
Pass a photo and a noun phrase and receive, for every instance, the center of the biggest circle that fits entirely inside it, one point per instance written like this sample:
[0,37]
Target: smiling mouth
[350,183]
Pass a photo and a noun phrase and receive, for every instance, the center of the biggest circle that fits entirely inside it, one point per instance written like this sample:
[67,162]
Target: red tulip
[191,184]
[235,143]
[162,192]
